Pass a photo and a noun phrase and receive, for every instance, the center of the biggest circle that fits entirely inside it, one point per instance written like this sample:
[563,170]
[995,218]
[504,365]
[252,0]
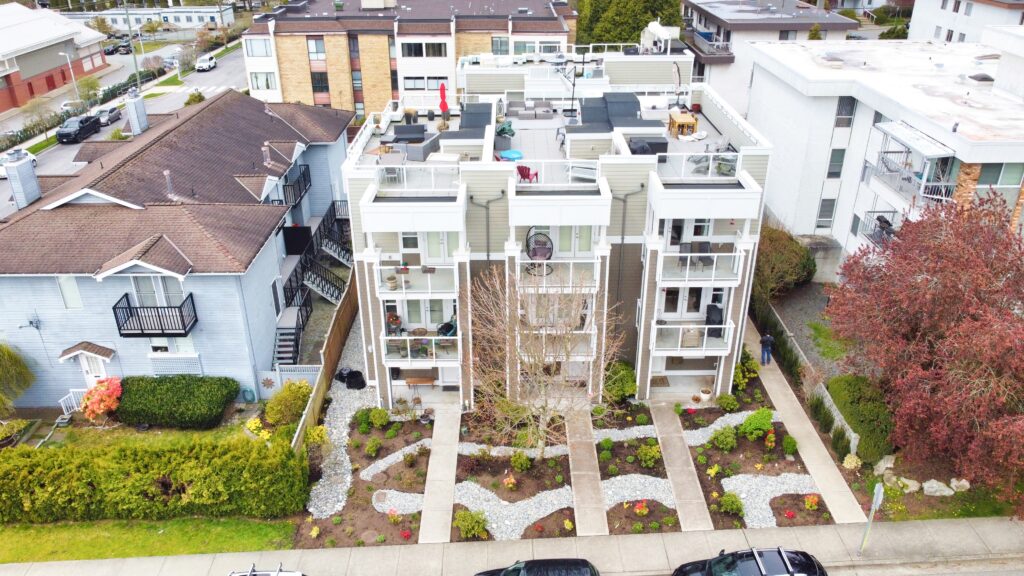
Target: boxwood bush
[862,405]
[205,477]
[179,401]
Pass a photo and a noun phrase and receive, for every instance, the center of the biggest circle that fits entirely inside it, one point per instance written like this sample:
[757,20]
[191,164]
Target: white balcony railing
[560,346]
[72,402]
[700,267]
[711,47]
[558,275]
[413,181]
[692,339]
[423,350]
[416,281]
[893,171]
[561,174]
[721,166]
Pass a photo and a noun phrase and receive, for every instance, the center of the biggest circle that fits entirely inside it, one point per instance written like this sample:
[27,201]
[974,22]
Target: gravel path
[401,502]
[330,492]
[471,448]
[391,459]
[806,304]
[632,487]
[756,490]
[624,434]
[352,354]
[508,520]
[700,436]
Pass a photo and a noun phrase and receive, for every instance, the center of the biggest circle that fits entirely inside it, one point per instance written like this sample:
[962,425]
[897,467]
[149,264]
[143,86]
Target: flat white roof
[906,80]
[914,139]
[24,30]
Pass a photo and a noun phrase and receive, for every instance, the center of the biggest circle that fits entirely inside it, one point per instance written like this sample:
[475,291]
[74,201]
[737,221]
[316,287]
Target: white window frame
[263,80]
[69,293]
[265,50]
[826,222]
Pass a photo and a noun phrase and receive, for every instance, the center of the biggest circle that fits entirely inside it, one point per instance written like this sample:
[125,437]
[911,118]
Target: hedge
[784,350]
[236,477]
[178,401]
[863,406]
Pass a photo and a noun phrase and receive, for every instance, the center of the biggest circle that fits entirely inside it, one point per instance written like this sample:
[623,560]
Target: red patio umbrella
[444,104]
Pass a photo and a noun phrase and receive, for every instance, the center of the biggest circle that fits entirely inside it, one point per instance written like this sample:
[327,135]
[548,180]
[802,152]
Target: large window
[434,82]
[956,5]
[826,211]
[499,45]
[968,8]
[69,292]
[412,50]
[319,80]
[357,80]
[415,84]
[315,47]
[263,81]
[353,46]
[257,47]
[845,110]
[787,34]
[835,163]
[436,49]
[525,48]
[550,47]
[1004,178]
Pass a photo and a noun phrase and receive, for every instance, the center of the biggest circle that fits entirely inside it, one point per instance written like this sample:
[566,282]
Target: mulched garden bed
[791,510]
[624,518]
[754,396]
[492,472]
[622,416]
[456,536]
[552,526]
[477,430]
[359,524]
[624,459]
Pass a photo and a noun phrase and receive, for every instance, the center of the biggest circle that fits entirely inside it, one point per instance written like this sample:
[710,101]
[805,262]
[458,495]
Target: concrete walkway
[439,493]
[892,548]
[588,498]
[840,500]
[690,505]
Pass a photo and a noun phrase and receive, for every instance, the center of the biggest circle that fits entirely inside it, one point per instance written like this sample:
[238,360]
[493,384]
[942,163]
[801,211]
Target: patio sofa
[418,151]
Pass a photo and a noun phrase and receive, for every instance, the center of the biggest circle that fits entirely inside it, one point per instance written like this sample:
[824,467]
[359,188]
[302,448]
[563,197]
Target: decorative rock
[702,435]
[889,479]
[909,485]
[756,492]
[935,488]
[401,502]
[885,463]
[637,487]
[508,520]
[625,434]
[959,484]
[390,460]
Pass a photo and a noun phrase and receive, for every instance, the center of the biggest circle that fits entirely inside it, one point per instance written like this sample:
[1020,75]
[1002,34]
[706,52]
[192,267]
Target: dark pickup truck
[77,129]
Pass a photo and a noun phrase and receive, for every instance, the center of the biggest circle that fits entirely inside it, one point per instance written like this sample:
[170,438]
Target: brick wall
[468,43]
[375,60]
[966,183]
[293,61]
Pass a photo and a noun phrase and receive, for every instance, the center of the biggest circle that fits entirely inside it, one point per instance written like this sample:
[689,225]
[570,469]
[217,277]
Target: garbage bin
[355,381]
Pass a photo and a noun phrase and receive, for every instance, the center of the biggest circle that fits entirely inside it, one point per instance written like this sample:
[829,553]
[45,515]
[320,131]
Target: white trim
[77,352]
[91,192]
[129,264]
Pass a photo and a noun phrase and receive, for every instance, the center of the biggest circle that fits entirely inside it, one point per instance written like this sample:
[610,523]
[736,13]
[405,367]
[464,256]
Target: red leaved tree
[937,315]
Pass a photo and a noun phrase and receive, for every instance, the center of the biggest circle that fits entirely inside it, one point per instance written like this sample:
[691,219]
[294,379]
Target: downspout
[622,236]
[487,219]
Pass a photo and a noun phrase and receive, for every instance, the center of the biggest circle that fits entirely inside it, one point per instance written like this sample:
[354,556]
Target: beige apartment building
[624,182]
[361,55]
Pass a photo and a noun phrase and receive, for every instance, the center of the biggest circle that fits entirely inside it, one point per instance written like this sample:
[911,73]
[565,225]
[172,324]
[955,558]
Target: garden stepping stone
[959,484]
[936,488]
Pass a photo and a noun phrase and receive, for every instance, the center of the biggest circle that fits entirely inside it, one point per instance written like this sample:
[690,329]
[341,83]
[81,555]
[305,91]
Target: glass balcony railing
[558,275]
[416,281]
[701,267]
[421,349]
[692,339]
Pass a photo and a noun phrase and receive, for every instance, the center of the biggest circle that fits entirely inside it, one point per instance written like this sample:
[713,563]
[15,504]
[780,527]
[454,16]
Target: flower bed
[800,510]
[748,394]
[642,517]
[477,430]
[622,416]
[513,478]
[638,456]
[384,448]
[560,524]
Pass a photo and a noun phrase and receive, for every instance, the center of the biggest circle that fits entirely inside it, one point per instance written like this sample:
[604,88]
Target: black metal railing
[296,184]
[145,321]
[321,279]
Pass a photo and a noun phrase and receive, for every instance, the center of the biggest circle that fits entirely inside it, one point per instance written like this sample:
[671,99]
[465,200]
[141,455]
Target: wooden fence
[330,355]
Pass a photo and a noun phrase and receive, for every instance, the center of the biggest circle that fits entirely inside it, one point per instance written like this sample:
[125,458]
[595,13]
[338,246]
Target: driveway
[229,73]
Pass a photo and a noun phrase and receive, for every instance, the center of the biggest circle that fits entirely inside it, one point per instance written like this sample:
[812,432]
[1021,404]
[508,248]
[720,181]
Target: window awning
[87,348]
[915,140]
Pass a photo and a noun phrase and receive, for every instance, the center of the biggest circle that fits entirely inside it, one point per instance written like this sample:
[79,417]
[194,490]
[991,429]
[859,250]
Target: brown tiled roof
[313,123]
[439,27]
[538,25]
[93,150]
[83,238]
[481,24]
[283,147]
[384,24]
[87,347]
[254,183]
[564,10]
[157,251]
[47,183]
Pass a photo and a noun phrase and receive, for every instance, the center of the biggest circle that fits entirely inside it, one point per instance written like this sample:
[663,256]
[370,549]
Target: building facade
[41,52]
[156,259]
[173,18]
[870,133]
[595,195]
[962,21]
[720,32]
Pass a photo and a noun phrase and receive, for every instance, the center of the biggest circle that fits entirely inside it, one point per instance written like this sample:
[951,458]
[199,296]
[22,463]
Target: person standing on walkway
[766,349]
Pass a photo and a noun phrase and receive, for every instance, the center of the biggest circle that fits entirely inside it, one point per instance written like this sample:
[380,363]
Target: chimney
[22,176]
[135,107]
[266,153]
[170,189]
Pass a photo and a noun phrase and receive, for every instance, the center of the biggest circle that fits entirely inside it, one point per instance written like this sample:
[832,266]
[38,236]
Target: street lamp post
[178,52]
[135,60]
[72,68]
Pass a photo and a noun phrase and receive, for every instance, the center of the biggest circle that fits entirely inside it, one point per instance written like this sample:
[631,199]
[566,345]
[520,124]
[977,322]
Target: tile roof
[314,123]
[90,151]
[88,348]
[538,25]
[157,251]
[254,183]
[48,183]
[481,24]
[439,27]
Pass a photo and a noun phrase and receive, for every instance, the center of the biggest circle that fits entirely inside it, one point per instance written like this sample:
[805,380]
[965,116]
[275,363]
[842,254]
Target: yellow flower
[629,418]
[625,505]
[714,495]
[759,466]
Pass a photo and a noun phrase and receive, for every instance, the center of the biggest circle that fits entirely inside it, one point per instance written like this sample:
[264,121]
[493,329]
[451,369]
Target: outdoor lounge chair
[527,175]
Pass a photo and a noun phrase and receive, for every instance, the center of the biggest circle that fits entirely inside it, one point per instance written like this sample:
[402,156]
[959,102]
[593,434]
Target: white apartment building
[962,20]
[176,17]
[868,133]
[595,197]
[720,32]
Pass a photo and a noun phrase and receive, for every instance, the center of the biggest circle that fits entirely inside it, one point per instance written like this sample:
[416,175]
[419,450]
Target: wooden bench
[420,381]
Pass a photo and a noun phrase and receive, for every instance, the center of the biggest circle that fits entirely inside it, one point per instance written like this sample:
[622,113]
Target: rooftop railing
[412,181]
[700,267]
[704,166]
[711,46]
[563,174]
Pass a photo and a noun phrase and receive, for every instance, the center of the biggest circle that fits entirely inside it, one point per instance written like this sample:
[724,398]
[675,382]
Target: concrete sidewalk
[682,474]
[439,493]
[891,543]
[840,500]
[588,497]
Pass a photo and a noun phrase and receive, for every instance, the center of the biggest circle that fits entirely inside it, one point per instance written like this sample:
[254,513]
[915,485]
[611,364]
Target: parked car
[756,561]
[108,116]
[205,63]
[110,49]
[855,37]
[278,572]
[553,567]
[170,63]
[4,159]
[124,48]
[78,128]
[72,105]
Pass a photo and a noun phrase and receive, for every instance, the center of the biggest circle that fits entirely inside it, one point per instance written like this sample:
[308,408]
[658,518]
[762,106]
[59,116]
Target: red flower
[538,527]
[405,534]
[790,514]
[691,411]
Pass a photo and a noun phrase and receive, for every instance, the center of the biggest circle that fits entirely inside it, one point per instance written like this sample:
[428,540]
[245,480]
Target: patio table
[511,155]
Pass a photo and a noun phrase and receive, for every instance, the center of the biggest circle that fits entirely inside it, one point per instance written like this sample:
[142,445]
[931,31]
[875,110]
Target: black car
[755,562]
[76,129]
[111,49]
[124,48]
[553,567]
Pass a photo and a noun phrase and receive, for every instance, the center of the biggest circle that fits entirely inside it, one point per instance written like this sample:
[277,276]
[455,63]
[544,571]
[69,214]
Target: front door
[427,313]
[575,241]
[440,246]
[92,368]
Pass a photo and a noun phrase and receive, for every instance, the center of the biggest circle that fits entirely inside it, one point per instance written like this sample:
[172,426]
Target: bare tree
[100,25]
[538,355]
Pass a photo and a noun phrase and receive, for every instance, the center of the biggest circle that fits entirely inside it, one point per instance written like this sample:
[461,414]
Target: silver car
[280,571]
[109,115]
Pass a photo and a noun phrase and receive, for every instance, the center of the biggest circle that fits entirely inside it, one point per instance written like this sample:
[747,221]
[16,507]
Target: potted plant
[705,394]
[376,129]
[695,398]
[392,281]
[427,417]
[411,114]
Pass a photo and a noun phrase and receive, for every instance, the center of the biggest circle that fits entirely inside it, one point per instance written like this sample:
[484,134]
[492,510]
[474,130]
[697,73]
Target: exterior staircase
[321,280]
[290,326]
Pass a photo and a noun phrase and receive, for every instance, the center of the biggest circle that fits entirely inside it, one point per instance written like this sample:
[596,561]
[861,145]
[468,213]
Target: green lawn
[125,435]
[152,95]
[123,538]
[827,344]
[227,50]
[171,80]
[43,145]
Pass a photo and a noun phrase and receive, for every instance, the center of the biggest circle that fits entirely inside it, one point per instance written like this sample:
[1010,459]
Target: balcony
[695,340]
[558,275]
[417,350]
[558,175]
[707,48]
[148,321]
[893,171]
[703,268]
[879,227]
[417,282]
[296,183]
[558,345]
[400,181]
[714,167]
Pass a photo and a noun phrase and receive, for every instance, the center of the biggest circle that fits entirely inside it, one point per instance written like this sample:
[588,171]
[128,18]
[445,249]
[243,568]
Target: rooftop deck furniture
[413,133]
[512,155]
[681,124]
[527,175]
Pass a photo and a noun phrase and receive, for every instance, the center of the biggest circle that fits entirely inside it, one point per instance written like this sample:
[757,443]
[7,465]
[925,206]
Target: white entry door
[575,241]
[92,368]
[440,246]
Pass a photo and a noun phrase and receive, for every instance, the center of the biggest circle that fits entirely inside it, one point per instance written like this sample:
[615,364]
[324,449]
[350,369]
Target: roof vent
[170,188]
[524,10]
[266,153]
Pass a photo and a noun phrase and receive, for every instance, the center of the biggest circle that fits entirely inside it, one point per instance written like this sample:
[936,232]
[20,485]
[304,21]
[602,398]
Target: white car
[72,105]
[4,158]
[278,572]
[205,63]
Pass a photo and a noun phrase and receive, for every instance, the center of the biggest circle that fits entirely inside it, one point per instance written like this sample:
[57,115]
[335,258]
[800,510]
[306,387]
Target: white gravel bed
[632,487]
[625,434]
[352,354]
[702,435]
[329,493]
[401,502]
[390,460]
[508,520]
[756,490]
[472,448]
